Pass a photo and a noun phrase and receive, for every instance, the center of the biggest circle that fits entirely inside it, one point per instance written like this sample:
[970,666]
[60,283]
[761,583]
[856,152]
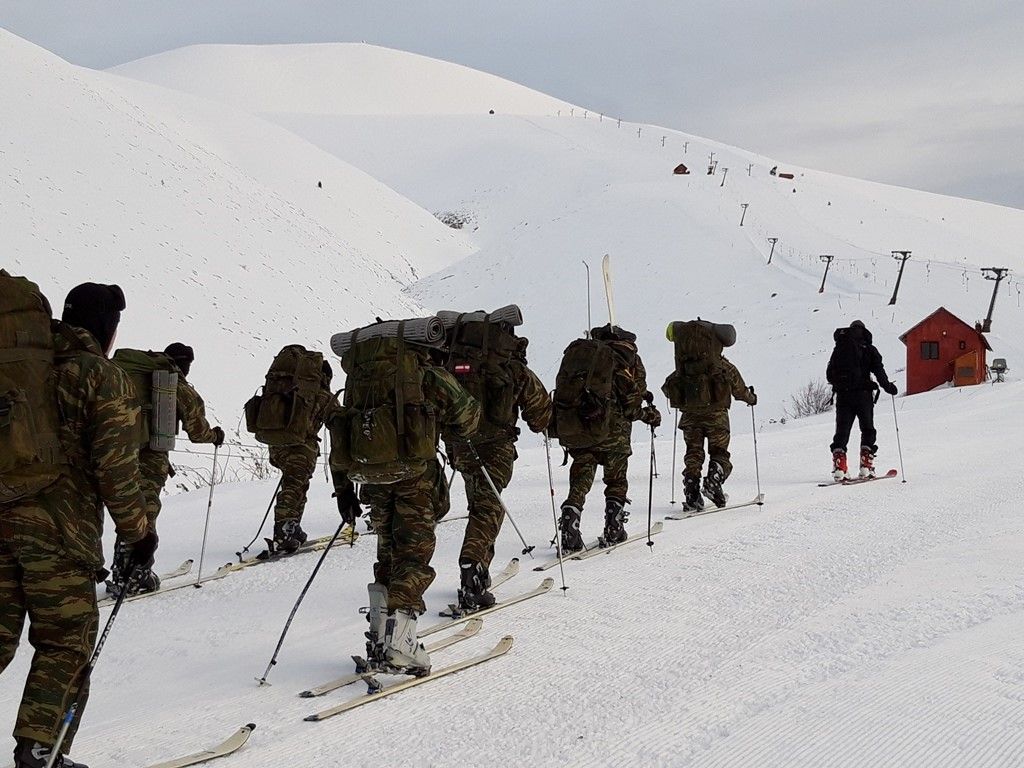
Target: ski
[471,629]
[228,746]
[683,515]
[655,529]
[503,647]
[182,570]
[858,480]
[606,272]
[545,586]
[594,548]
[347,537]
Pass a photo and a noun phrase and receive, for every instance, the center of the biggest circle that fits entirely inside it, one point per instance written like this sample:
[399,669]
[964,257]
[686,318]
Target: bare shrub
[456,219]
[813,398]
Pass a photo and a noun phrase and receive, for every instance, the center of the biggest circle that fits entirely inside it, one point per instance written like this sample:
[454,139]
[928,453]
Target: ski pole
[270,506]
[757,468]
[206,527]
[527,549]
[86,673]
[675,442]
[899,447]
[554,515]
[650,491]
[295,608]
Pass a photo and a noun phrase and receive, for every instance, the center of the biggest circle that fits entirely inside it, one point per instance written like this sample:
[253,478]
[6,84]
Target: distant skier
[600,392]
[850,368]
[703,387]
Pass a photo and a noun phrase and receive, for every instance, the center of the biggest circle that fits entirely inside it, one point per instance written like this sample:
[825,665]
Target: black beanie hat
[96,308]
[182,355]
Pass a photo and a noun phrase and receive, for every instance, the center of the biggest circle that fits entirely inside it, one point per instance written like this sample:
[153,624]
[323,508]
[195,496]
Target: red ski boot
[839,467]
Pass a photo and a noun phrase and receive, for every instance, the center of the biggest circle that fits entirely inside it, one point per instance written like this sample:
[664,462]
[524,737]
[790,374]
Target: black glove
[218,437]
[752,398]
[348,504]
[650,415]
[140,554]
[890,388]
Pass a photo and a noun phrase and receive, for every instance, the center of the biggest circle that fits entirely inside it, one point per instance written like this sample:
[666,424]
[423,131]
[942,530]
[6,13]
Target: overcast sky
[922,94]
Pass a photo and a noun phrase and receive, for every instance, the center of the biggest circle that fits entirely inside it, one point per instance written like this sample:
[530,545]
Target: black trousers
[857,405]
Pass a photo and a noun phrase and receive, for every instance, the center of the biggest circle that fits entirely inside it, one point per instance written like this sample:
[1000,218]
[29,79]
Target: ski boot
[288,537]
[569,526]
[867,461]
[839,467]
[615,517]
[692,500]
[713,485]
[29,753]
[474,593]
[403,652]
[376,615]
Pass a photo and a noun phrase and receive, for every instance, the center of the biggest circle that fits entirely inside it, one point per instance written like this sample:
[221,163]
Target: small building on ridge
[943,348]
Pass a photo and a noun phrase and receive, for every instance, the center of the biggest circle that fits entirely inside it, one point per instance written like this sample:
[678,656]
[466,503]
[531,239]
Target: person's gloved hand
[650,415]
[141,552]
[348,504]
[891,389]
[218,437]
[752,397]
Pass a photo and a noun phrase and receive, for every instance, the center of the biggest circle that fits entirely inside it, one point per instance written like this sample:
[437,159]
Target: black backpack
[583,394]
[846,366]
[480,359]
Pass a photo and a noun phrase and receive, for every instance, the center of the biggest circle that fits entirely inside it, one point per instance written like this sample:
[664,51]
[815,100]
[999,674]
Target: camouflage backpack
[583,394]
[283,414]
[154,377]
[386,430]
[31,456]
[480,359]
[698,381]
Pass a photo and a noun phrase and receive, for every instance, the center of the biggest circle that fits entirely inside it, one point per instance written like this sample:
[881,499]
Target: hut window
[929,350]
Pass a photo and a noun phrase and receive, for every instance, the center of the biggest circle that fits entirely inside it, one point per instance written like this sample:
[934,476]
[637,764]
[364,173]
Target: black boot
[29,753]
[615,517]
[569,527]
[474,593]
[713,485]
[692,501]
[288,536]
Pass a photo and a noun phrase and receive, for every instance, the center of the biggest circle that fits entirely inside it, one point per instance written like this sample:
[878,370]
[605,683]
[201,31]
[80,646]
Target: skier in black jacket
[850,368]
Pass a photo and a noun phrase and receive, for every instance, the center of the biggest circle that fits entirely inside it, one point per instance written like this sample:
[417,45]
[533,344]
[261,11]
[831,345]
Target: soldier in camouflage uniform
[405,514]
[297,463]
[629,391]
[155,466]
[495,446]
[711,424]
[50,544]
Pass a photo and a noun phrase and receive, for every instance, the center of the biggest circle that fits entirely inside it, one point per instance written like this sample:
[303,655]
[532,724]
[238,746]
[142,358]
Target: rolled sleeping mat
[510,314]
[426,331]
[723,332]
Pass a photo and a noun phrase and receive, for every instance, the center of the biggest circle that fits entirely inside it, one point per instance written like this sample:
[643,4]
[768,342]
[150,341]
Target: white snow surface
[871,625]
[350,79]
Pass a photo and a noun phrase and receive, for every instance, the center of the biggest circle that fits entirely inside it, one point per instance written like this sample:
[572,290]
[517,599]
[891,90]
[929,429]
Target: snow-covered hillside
[212,220]
[541,194]
[347,79]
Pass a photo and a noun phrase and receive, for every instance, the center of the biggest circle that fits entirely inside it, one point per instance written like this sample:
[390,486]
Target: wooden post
[725,172]
[638,129]
[773,241]
[750,167]
[686,146]
[742,205]
[997,274]
[663,141]
[827,258]
[901,257]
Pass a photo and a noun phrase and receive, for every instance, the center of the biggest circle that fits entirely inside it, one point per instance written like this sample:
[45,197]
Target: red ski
[858,480]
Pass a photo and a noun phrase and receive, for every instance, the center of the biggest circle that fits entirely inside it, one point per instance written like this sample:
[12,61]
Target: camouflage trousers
[697,428]
[486,514]
[297,464]
[58,596]
[584,468]
[404,515]
[154,470]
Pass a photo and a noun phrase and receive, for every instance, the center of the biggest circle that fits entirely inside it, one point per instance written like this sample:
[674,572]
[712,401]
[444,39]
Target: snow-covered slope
[212,220]
[337,79]
[542,193]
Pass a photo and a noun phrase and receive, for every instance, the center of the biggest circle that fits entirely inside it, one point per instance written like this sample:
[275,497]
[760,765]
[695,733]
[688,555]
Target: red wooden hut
[943,348]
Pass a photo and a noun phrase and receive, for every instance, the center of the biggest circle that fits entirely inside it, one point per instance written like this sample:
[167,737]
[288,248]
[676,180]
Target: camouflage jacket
[97,416]
[629,385]
[192,413]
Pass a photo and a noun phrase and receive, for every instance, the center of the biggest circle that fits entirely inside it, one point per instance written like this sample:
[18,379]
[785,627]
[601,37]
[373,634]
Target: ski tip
[306,695]
[311,719]
[538,567]
[548,583]
[250,727]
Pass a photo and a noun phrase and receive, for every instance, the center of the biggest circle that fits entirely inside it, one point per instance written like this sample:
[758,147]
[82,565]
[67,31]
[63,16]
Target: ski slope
[872,625]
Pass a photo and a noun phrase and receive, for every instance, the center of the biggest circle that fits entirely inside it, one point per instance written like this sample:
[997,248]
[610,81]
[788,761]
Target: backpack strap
[399,388]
